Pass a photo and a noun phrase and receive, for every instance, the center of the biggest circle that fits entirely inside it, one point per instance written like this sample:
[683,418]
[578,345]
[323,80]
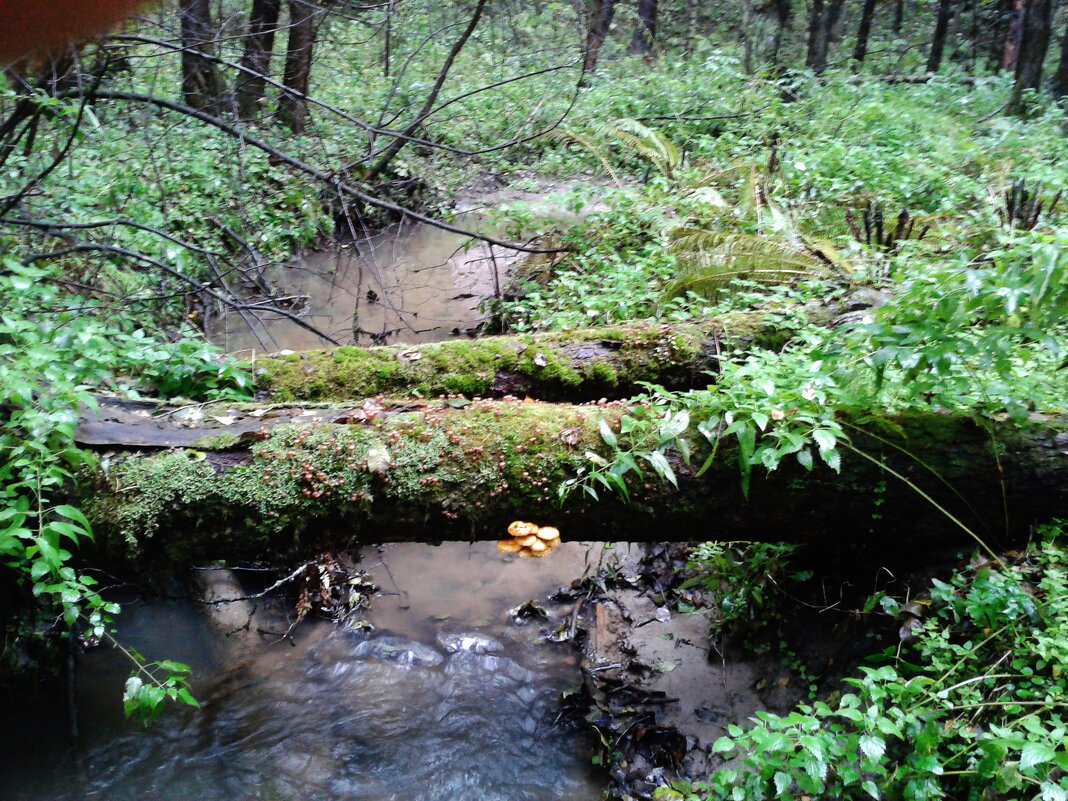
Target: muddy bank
[662,680]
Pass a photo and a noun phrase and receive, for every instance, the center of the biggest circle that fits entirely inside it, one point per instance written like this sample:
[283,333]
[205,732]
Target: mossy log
[442,472]
[577,365]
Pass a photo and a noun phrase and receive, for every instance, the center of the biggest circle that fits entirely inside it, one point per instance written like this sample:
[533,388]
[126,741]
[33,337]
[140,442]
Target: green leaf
[783,782]
[723,745]
[1035,754]
[872,746]
[825,439]
[607,434]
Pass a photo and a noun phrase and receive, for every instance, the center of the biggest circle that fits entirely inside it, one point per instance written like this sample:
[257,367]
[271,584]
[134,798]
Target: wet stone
[477,643]
[399,650]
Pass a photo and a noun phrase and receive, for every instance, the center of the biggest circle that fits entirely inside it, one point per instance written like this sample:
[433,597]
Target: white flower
[808,392]
[778,414]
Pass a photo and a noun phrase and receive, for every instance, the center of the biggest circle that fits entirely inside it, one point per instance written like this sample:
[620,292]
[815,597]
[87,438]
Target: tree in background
[938,41]
[644,38]
[256,60]
[860,51]
[303,25]
[598,20]
[1037,30]
[1059,84]
[202,86]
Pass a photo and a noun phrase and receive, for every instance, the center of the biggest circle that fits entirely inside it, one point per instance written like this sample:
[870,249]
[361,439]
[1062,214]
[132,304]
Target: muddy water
[410,712]
[409,283]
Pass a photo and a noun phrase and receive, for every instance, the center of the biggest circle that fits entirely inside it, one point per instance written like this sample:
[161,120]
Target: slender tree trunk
[259,44]
[1037,30]
[399,142]
[387,45]
[938,42]
[691,24]
[644,38]
[599,19]
[202,88]
[1011,48]
[816,60]
[899,17]
[1059,85]
[836,18]
[783,14]
[747,38]
[863,32]
[292,105]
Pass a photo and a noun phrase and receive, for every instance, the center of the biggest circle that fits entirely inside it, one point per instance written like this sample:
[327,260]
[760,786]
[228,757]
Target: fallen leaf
[570,436]
[410,355]
[539,359]
[224,420]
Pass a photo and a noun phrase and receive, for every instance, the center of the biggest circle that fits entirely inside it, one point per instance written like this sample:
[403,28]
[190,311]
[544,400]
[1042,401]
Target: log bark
[574,365]
[437,472]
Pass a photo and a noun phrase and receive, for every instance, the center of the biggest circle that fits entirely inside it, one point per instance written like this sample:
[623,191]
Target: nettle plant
[972,709]
[54,351]
[773,406]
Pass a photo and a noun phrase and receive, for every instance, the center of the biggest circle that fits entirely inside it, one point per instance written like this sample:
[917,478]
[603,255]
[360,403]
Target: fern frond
[566,135]
[709,260]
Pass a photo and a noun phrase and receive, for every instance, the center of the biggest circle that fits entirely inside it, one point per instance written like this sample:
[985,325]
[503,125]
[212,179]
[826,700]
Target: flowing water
[449,699]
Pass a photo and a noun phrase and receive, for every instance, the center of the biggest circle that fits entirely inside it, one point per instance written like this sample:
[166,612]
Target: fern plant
[710,260]
[633,138]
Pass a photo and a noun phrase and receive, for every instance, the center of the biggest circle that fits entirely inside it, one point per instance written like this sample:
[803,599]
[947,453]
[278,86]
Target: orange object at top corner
[31,26]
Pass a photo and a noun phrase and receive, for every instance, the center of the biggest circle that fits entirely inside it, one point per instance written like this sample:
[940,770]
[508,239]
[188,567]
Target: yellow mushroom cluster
[529,539]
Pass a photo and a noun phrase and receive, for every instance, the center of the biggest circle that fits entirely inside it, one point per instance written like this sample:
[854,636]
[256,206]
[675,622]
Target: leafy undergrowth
[56,349]
[971,705]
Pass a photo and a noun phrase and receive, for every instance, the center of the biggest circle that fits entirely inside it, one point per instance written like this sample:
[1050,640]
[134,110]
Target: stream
[447,699]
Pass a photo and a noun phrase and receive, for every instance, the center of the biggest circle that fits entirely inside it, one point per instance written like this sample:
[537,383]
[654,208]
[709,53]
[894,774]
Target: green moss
[217,442]
[470,367]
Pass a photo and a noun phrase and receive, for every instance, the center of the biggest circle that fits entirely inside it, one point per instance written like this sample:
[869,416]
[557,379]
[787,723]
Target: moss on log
[463,473]
[569,365]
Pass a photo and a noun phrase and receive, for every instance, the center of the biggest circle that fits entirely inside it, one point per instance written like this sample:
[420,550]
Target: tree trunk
[1037,30]
[644,38]
[747,38]
[599,15]
[1059,85]
[938,42]
[899,17]
[202,87]
[816,59]
[783,13]
[574,365]
[1013,34]
[259,44]
[863,32]
[431,472]
[292,104]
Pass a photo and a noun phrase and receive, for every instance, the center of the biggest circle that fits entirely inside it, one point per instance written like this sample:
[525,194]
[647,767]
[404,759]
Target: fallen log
[442,472]
[584,364]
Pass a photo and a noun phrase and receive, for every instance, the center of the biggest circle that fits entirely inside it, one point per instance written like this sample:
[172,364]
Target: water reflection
[446,700]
